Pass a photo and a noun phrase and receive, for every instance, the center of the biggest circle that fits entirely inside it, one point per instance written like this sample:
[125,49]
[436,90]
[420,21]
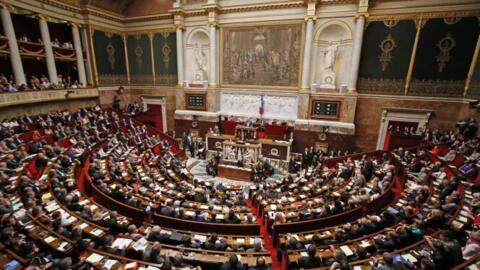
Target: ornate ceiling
[131,7]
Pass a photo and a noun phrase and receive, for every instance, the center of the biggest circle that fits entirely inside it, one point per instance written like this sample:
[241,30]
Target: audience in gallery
[64,45]
[56,43]
[35,83]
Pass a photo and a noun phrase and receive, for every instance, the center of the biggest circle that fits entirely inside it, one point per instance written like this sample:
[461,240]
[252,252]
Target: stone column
[180,62]
[356,52]
[213,55]
[307,54]
[15,58]
[51,68]
[88,68]
[82,78]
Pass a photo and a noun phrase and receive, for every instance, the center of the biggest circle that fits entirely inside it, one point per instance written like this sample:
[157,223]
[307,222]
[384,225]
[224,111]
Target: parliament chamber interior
[239,134]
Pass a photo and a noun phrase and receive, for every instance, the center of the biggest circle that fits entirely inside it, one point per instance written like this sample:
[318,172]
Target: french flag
[262,104]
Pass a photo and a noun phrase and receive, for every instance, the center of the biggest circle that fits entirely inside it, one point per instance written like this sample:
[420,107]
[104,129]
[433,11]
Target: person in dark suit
[11,162]
[166,210]
[232,218]
[260,265]
[367,169]
[312,260]
[232,264]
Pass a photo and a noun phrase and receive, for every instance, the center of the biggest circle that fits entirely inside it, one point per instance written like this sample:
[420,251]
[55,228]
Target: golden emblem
[445,45]
[387,45]
[138,56]
[166,55]
[111,54]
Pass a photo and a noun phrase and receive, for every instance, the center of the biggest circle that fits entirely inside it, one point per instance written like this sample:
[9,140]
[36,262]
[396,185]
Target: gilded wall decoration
[166,55]
[165,58]
[111,54]
[387,45]
[381,86]
[262,55]
[443,56]
[138,58]
[109,58]
[386,51]
[445,45]
[436,88]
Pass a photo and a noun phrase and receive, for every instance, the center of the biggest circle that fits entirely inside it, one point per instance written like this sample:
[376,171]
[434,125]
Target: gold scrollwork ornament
[445,45]
[166,55]
[138,56]
[387,45]
[111,54]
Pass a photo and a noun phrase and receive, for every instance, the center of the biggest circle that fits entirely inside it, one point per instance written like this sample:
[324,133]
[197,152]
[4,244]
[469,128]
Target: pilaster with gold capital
[127,64]
[419,23]
[152,57]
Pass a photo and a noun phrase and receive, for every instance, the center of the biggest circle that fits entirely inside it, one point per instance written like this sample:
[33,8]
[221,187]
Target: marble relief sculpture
[328,75]
[278,107]
[330,56]
[200,61]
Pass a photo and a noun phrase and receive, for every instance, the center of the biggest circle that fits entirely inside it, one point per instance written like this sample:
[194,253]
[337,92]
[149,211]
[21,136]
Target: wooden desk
[236,173]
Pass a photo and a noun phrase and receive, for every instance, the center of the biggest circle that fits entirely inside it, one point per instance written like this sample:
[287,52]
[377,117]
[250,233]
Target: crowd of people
[36,83]
[124,164]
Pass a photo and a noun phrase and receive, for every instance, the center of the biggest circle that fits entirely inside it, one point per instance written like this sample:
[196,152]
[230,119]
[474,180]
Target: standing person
[116,104]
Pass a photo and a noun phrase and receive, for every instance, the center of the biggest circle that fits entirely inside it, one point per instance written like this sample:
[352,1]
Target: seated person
[312,260]
[232,264]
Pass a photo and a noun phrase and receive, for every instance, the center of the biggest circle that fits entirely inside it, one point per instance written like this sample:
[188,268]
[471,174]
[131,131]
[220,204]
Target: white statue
[199,57]
[330,56]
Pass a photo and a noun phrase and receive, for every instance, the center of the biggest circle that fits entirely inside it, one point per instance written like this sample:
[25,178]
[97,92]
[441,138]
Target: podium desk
[235,173]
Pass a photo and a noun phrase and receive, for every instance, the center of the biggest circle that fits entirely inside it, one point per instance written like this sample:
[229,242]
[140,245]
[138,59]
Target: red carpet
[267,240]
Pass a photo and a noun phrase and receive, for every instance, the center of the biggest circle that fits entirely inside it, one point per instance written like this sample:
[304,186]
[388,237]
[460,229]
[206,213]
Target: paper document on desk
[63,246]
[462,219]
[365,244]
[94,258]
[96,232]
[140,245]
[346,250]
[409,257]
[49,239]
[52,207]
[200,238]
[121,243]
[109,264]
[46,196]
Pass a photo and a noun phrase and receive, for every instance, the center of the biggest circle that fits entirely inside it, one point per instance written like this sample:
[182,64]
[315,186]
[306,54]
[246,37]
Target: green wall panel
[109,58]
[443,58]
[386,51]
[165,55]
[140,60]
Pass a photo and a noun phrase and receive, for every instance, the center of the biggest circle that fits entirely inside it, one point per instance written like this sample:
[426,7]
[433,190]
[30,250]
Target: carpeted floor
[268,243]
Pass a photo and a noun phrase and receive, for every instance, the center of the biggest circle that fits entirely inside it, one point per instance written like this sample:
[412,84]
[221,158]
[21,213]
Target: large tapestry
[165,54]
[386,50]
[140,60]
[262,55]
[110,58]
[444,56]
